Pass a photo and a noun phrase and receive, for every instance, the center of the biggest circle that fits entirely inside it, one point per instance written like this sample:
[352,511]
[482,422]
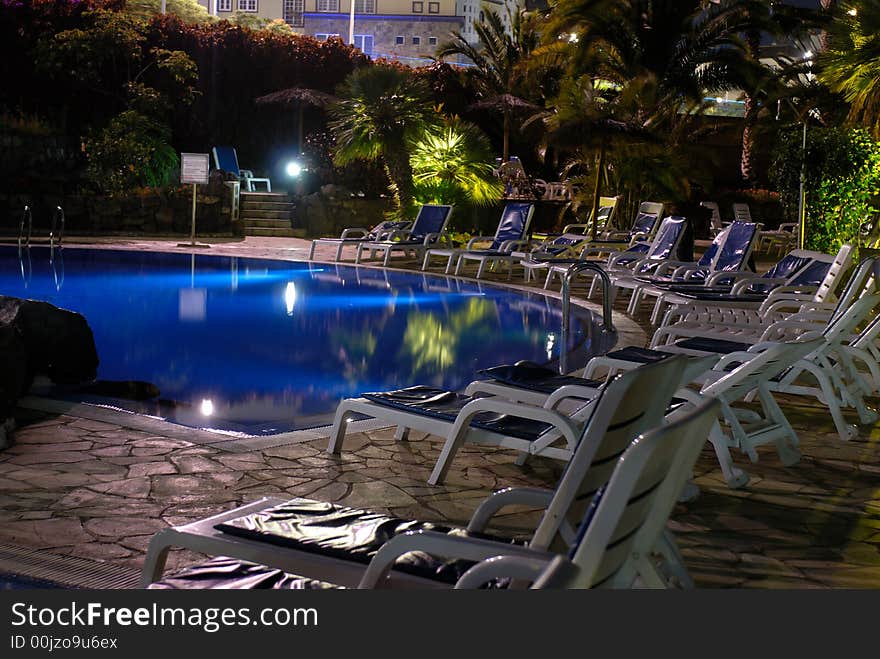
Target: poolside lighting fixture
[290,297]
[853,12]
[294,169]
[808,55]
[207,407]
[551,343]
[572,38]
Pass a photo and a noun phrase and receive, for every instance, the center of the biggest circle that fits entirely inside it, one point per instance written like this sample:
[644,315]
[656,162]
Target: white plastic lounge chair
[728,253]
[461,418]
[644,225]
[226,159]
[780,239]
[746,303]
[511,233]
[622,527]
[742,213]
[427,230]
[604,218]
[354,236]
[331,542]
[716,224]
[641,256]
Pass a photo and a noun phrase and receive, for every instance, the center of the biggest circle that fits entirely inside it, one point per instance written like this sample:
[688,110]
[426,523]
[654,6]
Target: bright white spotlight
[294,169]
[207,407]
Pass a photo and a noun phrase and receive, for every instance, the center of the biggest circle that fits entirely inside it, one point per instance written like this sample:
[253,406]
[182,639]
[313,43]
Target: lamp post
[351,25]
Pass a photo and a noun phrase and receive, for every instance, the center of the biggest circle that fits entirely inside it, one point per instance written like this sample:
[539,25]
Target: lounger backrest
[226,158]
[715,222]
[667,237]
[863,281]
[742,213]
[708,257]
[625,522]
[514,223]
[431,219]
[736,248]
[627,406]
[647,217]
[813,274]
[834,276]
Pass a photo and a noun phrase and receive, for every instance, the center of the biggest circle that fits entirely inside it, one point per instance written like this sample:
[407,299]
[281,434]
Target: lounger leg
[450,448]
[357,257]
[154,562]
[845,430]
[734,476]
[480,268]
[312,250]
[786,446]
[339,429]
[339,251]
[401,434]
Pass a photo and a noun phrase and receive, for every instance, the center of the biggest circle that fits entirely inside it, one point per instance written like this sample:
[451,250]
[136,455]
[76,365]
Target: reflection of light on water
[207,407]
[290,297]
[550,344]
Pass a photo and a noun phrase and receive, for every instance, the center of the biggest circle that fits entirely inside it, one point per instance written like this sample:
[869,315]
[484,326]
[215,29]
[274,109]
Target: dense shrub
[842,181]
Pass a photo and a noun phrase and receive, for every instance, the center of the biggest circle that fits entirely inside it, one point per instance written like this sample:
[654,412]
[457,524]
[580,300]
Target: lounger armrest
[510,245]
[355,232]
[534,497]
[519,568]
[479,239]
[745,281]
[669,267]
[577,391]
[398,235]
[436,238]
[586,251]
[435,544]
[615,257]
[730,277]
[562,423]
[568,227]
[787,328]
[245,173]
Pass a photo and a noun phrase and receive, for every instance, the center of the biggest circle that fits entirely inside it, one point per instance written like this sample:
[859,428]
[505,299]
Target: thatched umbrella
[506,104]
[300,96]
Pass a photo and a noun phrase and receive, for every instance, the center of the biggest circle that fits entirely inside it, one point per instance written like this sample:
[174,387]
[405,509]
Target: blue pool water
[260,346]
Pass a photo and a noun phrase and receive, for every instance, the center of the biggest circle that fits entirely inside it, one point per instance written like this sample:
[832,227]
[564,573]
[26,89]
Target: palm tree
[452,165]
[499,70]
[851,65]
[381,111]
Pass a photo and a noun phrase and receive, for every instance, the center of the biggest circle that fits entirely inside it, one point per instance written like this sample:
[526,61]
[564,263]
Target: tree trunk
[400,174]
[747,161]
[597,189]
[505,152]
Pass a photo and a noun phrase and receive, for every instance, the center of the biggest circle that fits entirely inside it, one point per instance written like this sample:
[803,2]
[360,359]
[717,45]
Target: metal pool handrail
[607,323]
[59,213]
[25,215]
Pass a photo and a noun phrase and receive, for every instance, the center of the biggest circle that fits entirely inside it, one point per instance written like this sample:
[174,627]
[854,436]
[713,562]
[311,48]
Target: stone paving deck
[97,489]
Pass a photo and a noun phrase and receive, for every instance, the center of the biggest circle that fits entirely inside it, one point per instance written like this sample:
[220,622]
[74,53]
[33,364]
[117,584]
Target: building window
[416,41]
[327,6]
[433,7]
[365,6]
[292,12]
[248,6]
[432,41]
[365,43]
[224,5]
[321,36]
[399,41]
[418,7]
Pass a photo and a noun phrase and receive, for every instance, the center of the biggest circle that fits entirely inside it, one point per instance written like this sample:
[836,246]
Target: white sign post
[194,169]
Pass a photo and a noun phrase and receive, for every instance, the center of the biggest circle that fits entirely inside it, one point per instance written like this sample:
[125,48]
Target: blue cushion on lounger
[347,533]
[440,404]
[534,377]
[707,344]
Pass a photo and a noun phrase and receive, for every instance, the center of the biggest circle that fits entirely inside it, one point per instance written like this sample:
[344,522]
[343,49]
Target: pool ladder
[25,231]
[26,227]
[607,324]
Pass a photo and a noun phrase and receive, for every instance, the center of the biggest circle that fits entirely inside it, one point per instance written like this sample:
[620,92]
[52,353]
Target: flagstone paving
[82,487]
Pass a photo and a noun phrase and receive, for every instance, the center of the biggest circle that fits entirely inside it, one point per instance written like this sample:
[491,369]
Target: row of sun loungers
[629,427]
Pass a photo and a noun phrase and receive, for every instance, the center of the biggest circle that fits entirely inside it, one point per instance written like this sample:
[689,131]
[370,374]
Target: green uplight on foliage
[842,182]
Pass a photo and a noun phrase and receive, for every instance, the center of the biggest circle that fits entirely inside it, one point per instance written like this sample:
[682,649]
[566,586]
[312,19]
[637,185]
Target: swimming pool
[262,346]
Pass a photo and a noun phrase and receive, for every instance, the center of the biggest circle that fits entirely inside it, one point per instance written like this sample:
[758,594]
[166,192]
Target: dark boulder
[57,343]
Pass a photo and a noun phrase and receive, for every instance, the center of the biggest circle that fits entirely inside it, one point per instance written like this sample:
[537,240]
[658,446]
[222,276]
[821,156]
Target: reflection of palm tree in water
[432,343]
